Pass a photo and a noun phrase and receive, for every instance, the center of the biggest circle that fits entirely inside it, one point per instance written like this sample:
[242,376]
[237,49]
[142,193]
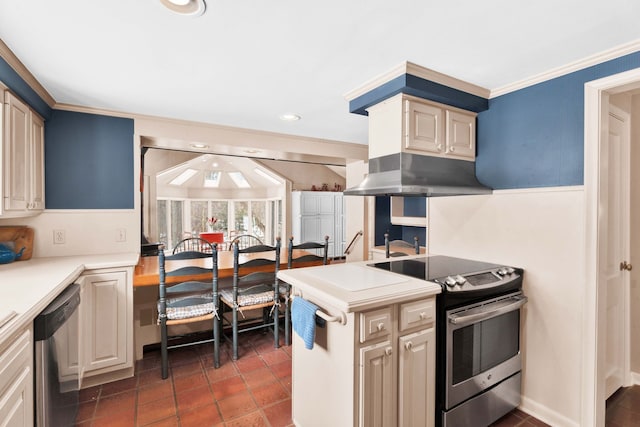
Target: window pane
[176,222]
[199,217]
[161,218]
[241,220]
[258,219]
[219,210]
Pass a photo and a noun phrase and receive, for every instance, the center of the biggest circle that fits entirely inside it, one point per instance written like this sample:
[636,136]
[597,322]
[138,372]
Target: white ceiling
[244,62]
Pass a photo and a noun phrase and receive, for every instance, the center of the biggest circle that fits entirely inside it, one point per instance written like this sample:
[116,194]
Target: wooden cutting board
[21,236]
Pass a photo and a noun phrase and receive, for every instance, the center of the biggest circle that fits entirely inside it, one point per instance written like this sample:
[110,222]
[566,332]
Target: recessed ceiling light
[251,151]
[185,7]
[199,146]
[290,117]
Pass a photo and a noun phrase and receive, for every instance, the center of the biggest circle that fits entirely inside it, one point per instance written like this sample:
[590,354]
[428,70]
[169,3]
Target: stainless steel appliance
[56,360]
[478,359]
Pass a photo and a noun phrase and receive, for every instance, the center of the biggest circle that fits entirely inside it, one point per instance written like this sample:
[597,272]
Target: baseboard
[545,414]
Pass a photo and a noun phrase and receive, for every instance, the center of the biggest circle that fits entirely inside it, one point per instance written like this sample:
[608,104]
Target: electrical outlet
[121,235]
[59,237]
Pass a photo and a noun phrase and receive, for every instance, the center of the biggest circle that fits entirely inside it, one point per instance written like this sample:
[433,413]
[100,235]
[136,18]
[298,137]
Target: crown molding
[589,61]
[421,72]
[25,74]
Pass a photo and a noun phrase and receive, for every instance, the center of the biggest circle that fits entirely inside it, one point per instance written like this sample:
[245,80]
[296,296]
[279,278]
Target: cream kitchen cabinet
[23,159]
[16,381]
[106,327]
[405,123]
[397,375]
[316,214]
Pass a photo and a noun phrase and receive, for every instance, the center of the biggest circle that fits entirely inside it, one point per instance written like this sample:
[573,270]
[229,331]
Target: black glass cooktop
[434,267]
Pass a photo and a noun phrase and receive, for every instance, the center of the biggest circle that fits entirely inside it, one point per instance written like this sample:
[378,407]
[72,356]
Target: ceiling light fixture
[199,146]
[185,7]
[290,117]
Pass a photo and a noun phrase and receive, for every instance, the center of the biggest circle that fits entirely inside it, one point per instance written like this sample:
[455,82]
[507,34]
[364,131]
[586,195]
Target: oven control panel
[480,280]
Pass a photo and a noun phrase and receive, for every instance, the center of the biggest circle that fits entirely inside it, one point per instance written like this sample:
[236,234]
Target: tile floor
[253,391]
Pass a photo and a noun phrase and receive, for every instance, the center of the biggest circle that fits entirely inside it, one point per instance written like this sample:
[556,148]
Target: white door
[614,232]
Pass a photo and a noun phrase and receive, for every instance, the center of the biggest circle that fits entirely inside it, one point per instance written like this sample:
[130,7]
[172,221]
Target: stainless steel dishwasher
[56,360]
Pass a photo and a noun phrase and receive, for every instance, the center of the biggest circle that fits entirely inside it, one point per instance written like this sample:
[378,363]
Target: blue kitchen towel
[303,317]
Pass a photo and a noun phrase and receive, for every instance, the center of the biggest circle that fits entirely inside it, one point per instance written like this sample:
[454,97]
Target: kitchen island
[373,362]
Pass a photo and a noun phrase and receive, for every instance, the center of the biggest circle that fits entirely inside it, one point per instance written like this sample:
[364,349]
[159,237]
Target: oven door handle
[490,310]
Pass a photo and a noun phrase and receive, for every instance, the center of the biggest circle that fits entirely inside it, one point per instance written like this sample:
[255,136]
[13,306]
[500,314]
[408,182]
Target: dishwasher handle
[56,313]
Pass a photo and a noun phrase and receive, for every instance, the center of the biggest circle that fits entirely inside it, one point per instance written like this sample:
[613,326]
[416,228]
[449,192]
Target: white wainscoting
[542,231]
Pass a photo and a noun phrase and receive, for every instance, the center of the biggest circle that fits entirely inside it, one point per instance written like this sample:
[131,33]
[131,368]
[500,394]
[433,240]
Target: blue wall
[88,161]
[534,137]
[414,206]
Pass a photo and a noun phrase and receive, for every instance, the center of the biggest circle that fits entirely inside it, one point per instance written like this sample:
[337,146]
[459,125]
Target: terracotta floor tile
[201,417]
[276,357]
[194,398]
[115,403]
[167,422]
[119,386]
[228,387]
[186,369]
[224,371]
[156,410]
[155,392]
[151,376]
[279,414]
[119,419]
[236,406]
[267,394]
[282,369]
[249,363]
[286,382]
[187,382]
[90,393]
[509,420]
[254,419]
[258,377]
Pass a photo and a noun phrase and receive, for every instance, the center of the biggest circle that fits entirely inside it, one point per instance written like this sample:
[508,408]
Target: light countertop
[355,286]
[27,287]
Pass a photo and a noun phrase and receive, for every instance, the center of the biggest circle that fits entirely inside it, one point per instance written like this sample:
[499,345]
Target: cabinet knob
[388,351]
[408,345]
[439,147]
[452,149]
[423,315]
[380,326]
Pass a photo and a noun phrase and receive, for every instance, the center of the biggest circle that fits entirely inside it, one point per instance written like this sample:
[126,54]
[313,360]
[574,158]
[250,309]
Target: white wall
[635,234]
[542,231]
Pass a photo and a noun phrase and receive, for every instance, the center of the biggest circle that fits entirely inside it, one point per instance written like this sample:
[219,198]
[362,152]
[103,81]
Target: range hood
[408,174]
[396,168]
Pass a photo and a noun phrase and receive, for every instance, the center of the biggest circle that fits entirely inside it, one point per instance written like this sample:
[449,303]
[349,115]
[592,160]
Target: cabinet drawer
[375,324]
[14,360]
[418,313]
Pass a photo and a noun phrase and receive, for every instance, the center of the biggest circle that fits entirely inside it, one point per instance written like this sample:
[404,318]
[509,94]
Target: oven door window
[484,345]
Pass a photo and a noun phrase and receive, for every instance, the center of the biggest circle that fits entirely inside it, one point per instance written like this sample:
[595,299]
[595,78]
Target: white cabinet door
[376,386]
[16,383]
[105,313]
[36,193]
[16,153]
[416,379]
[424,127]
[461,135]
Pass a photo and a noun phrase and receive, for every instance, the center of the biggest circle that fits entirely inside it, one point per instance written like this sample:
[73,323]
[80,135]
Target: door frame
[596,114]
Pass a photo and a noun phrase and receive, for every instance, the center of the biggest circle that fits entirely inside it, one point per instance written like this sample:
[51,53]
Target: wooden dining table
[146,272]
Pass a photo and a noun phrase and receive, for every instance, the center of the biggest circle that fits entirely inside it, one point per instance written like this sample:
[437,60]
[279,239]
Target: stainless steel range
[478,364]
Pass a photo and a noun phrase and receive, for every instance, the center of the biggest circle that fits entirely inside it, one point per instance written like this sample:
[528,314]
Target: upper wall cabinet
[414,125]
[22,159]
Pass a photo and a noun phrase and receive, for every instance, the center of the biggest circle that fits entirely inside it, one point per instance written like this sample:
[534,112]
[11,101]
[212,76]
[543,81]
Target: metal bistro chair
[188,301]
[254,286]
[400,243]
[322,250]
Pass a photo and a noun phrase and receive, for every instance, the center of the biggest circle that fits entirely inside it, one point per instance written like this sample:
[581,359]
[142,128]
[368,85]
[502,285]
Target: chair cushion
[258,294]
[189,306]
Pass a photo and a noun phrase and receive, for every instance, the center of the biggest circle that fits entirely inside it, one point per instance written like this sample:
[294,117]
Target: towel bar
[341,318]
